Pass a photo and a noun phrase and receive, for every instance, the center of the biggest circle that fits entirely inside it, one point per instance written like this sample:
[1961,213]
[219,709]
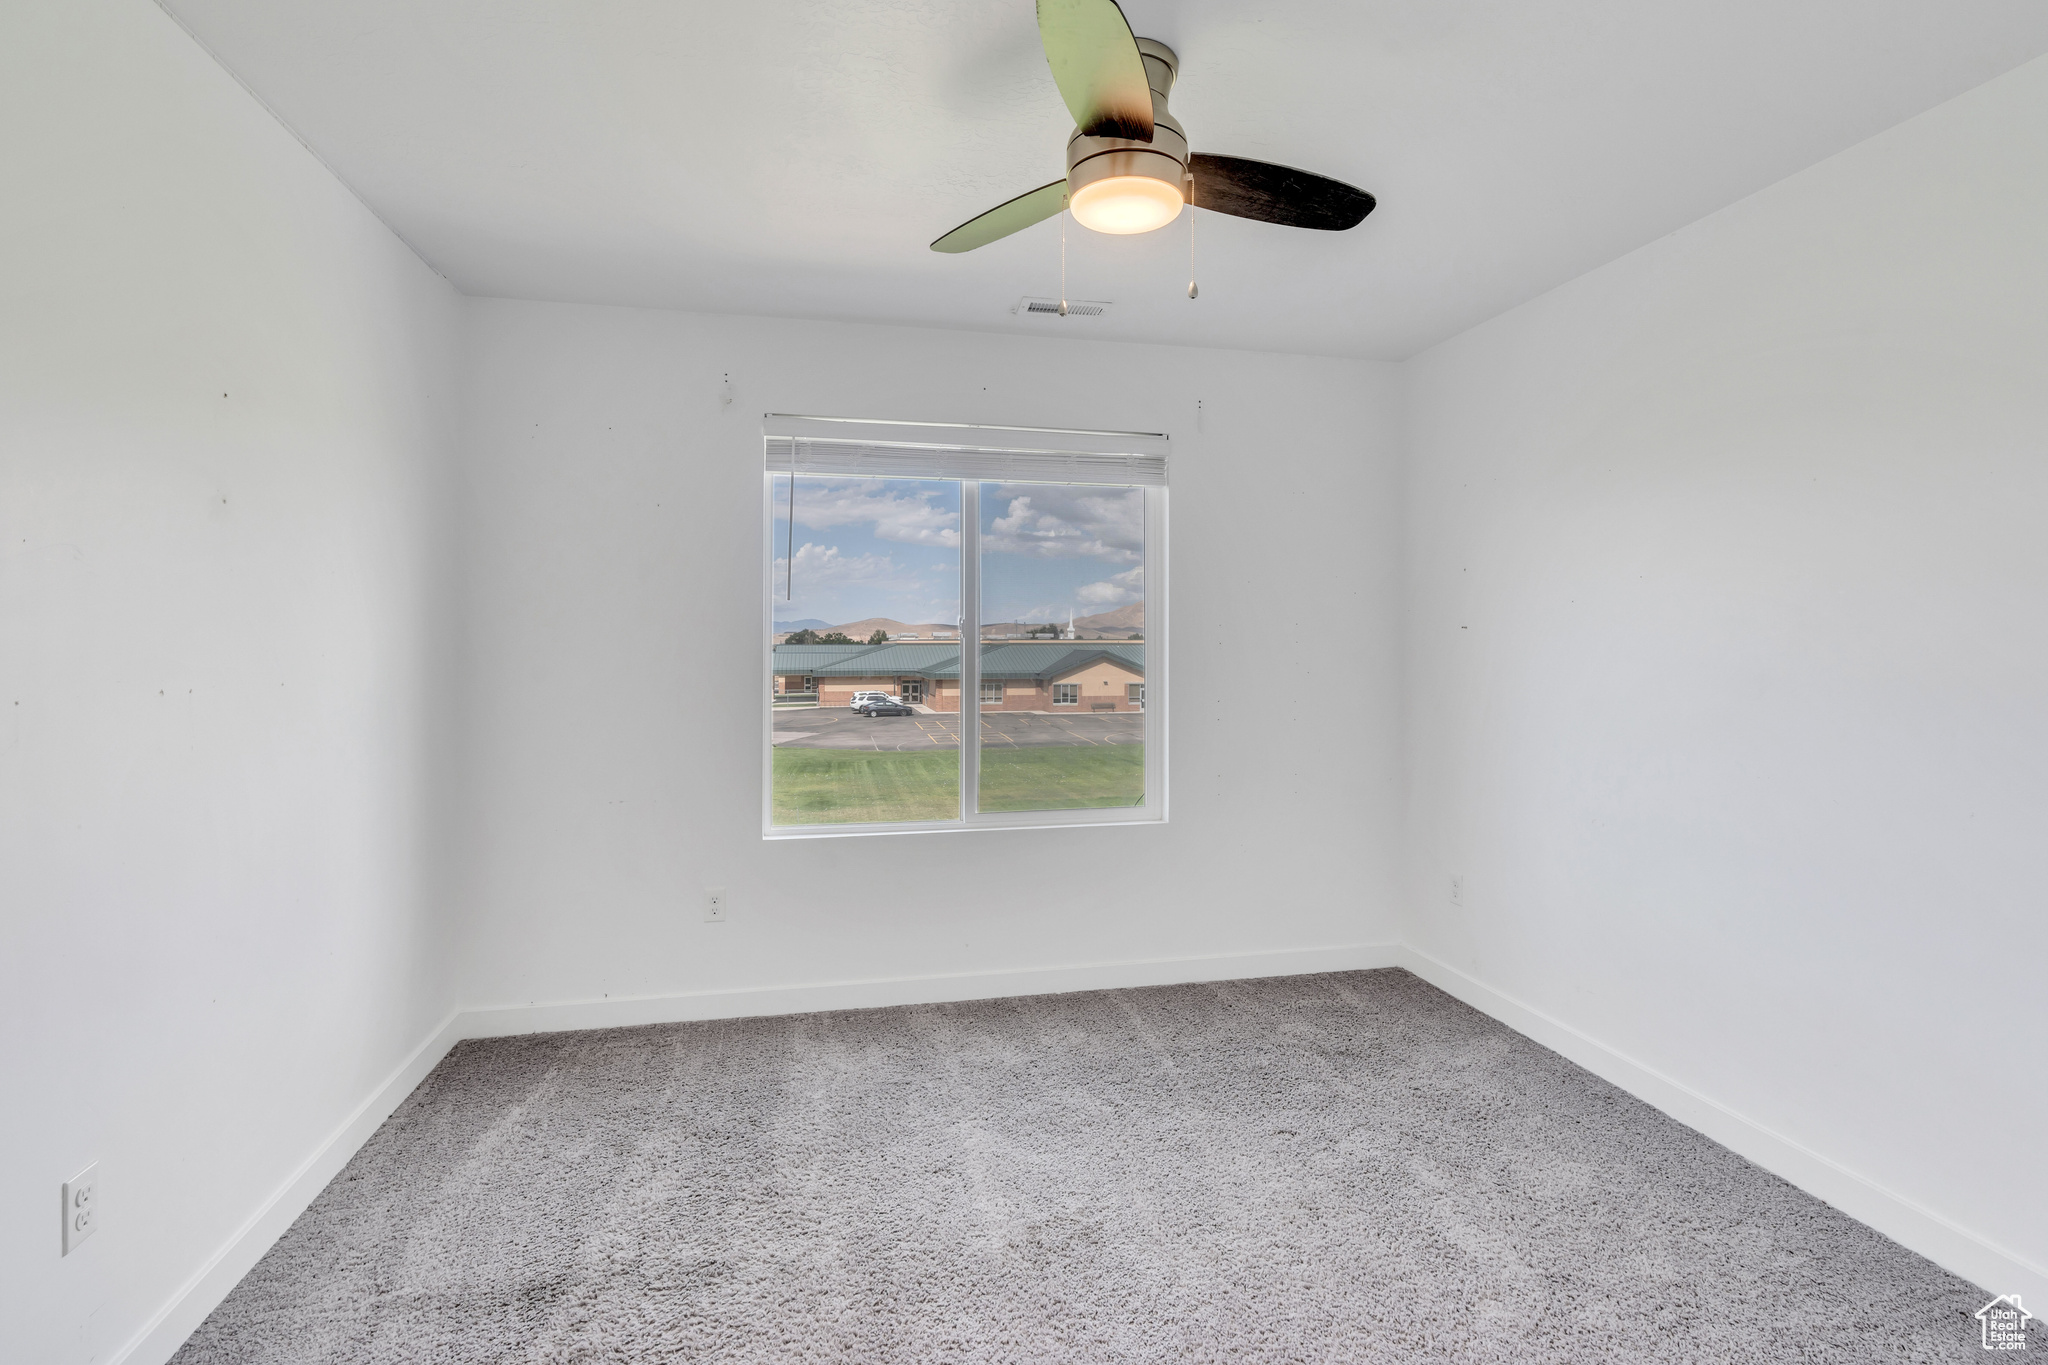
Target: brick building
[1022,675]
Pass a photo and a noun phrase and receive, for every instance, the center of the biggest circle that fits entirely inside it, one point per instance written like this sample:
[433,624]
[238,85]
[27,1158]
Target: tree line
[832,637]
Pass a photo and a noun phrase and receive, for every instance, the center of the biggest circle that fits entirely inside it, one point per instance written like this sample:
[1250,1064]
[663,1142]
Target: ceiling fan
[1128,165]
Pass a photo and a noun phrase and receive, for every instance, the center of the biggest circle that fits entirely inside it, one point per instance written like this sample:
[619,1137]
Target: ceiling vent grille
[1076,308]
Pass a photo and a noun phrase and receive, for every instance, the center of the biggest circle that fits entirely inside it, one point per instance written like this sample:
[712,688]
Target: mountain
[1123,619]
[1120,624]
[1107,625]
[860,630]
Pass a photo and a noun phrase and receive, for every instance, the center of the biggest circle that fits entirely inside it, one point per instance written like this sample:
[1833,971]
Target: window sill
[1047,819]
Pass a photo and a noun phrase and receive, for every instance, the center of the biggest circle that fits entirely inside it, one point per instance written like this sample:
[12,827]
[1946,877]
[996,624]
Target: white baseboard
[163,1334]
[1918,1229]
[618,1012]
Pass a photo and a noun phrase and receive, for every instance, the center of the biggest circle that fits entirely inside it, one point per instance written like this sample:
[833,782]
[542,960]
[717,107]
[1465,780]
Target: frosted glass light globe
[1125,204]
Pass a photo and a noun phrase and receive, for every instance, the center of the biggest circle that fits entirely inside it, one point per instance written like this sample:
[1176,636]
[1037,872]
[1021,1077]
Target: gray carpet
[1350,1167]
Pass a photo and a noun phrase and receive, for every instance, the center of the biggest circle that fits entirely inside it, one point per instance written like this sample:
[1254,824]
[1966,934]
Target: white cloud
[823,566]
[1057,522]
[895,511]
[1122,588]
[838,587]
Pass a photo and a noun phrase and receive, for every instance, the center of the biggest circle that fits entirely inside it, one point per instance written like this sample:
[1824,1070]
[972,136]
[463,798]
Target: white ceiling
[794,157]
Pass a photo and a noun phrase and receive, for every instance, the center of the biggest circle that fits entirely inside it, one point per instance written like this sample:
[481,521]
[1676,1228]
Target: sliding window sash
[845,448]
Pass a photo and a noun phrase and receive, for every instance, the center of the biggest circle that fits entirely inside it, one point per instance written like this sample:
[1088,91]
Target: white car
[861,699]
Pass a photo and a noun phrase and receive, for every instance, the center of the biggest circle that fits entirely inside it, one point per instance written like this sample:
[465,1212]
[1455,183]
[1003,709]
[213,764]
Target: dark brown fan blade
[1276,194]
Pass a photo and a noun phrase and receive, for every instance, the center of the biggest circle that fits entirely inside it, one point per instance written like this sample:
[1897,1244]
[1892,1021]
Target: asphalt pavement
[838,728]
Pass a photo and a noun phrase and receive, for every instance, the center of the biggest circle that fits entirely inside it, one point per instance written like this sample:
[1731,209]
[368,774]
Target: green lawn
[836,787]
[1063,777]
[833,786]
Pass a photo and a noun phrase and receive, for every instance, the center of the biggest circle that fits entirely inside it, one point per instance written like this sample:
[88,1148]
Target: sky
[891,547]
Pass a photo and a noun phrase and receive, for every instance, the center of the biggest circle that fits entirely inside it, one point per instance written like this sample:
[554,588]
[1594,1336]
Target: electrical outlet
[714,905]
[1457,888]
[81,1206]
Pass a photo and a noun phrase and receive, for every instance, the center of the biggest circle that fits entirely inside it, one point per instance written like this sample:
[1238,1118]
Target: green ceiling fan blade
[1095,63]
[1004,219]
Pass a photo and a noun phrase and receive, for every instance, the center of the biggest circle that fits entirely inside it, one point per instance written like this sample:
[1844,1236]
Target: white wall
[612,610]
[1728,653]
[225,399]
[1723,629]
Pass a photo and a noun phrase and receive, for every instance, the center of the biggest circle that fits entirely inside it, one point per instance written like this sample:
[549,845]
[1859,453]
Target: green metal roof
[929,661]
[1005,661]
[811,658]
[1051,660]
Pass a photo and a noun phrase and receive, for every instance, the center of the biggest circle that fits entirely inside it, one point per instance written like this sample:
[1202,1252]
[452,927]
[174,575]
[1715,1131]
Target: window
[957,569]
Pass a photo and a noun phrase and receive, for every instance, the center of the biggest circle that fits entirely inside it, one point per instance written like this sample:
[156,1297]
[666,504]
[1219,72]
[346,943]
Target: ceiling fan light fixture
[1126,204]
[1127,173]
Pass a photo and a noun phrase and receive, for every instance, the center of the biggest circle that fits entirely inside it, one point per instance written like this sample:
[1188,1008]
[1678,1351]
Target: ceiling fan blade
[1276,194]
[1096,65]
[1004,219]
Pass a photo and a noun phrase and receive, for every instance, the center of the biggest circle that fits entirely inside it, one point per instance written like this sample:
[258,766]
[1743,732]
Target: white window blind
[999,454]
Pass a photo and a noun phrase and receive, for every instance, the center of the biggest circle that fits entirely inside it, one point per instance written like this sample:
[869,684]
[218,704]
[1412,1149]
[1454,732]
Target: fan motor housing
[1165,157]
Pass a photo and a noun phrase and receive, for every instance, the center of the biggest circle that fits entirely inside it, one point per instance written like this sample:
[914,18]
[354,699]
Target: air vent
[1076,308]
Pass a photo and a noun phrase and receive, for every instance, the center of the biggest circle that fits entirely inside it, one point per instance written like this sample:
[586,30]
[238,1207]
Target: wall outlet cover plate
[81,1206]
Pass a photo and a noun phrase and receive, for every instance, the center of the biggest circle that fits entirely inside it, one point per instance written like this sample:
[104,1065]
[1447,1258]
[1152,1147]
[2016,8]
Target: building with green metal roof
[1020,675]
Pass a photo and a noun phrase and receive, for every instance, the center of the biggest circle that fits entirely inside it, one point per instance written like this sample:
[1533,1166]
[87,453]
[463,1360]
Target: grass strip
[838,787]
[1063,777]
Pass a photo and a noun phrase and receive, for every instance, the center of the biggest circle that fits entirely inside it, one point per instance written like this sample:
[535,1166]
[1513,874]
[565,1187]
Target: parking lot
[838,728]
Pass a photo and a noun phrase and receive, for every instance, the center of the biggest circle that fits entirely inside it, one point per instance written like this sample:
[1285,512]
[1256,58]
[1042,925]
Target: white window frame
[1006,455]
[1073,691]
[991,685]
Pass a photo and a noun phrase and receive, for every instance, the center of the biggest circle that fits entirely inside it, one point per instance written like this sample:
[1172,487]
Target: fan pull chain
[1063,262]
[1194,290]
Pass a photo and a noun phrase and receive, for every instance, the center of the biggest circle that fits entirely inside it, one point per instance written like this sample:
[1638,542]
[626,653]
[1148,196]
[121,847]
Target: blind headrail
[997,464]
[838,423]
[964,436]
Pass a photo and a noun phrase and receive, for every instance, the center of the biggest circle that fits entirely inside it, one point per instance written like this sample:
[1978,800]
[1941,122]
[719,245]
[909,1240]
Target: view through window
[1063,634]
[875,617]
[873,581]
